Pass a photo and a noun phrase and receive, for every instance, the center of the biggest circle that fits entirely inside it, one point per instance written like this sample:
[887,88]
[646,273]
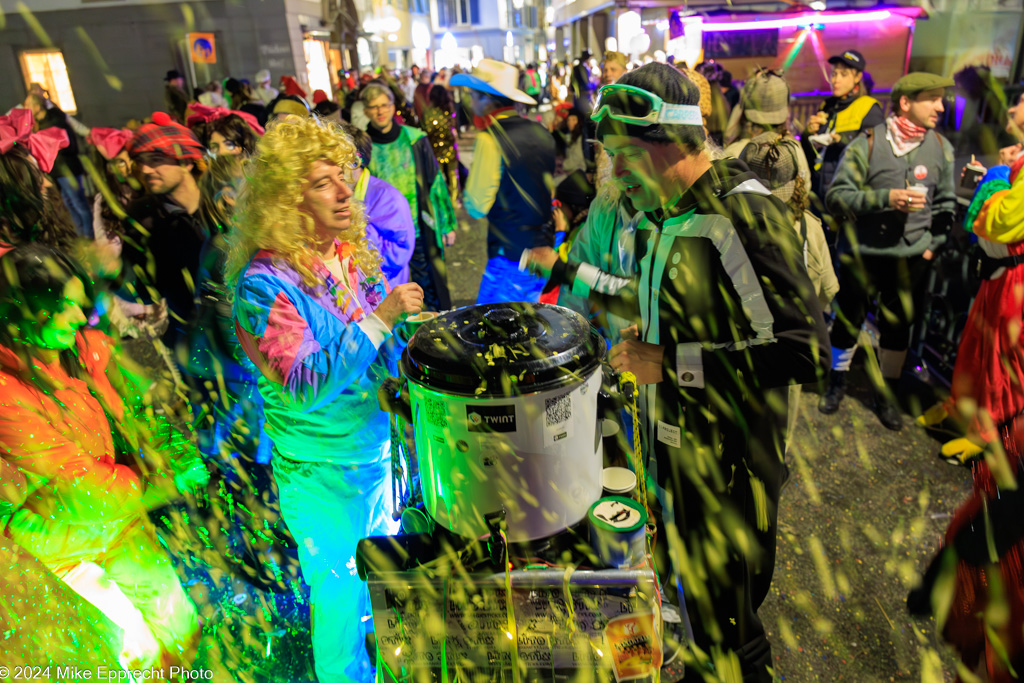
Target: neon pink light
[819,53]
[802,20]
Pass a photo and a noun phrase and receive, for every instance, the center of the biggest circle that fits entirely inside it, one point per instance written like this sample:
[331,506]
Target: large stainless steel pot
[504,403]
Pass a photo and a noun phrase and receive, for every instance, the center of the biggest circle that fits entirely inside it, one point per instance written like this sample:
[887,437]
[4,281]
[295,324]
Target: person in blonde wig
[315,314]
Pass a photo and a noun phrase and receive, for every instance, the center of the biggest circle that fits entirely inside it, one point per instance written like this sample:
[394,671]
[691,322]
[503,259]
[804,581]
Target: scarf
[485,122]
[381,138]
[904,136]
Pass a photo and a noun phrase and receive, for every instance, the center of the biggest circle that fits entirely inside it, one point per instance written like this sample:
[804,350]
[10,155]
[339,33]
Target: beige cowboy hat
[496,78]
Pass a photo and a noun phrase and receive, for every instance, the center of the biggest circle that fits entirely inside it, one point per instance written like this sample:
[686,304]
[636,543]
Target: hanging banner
[203,48]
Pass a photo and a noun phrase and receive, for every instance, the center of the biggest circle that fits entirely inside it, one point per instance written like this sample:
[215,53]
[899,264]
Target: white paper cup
[920,200]
[618,481]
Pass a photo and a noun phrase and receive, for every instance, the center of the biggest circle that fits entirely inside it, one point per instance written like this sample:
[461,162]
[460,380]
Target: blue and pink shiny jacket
[320,370]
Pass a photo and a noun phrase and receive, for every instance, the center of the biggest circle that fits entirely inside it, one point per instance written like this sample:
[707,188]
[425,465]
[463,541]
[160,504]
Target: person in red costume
[988,380]
[975,585]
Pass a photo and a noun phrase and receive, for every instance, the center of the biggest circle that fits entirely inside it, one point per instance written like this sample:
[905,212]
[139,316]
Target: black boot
[835,390]
[887,406]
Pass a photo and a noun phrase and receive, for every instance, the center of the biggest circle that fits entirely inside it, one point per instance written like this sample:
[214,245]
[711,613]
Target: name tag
[669,435]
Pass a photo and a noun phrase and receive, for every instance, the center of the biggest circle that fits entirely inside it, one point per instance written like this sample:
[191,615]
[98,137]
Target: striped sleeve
[312,357]
[1001,219]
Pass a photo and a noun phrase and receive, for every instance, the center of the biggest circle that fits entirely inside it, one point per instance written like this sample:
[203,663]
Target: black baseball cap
[850,58]
[172,74]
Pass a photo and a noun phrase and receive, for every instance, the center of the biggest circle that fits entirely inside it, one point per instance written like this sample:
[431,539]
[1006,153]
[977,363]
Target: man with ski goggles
[725,319]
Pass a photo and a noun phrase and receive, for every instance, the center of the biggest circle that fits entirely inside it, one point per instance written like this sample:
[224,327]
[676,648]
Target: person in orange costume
[60,398]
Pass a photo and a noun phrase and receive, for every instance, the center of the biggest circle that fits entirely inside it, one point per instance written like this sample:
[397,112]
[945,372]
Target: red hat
[109,141]
[166,137]
[292,87]
[562,109]
[319,96]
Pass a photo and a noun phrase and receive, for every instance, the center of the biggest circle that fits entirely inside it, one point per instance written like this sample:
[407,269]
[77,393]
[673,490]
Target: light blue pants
[328,508]
[504,282]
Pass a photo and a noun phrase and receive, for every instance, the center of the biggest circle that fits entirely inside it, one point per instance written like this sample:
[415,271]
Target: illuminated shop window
[47,68]
[317,70]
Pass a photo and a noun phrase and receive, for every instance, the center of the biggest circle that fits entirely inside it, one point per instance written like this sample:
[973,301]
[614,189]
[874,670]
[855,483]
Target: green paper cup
[409,326]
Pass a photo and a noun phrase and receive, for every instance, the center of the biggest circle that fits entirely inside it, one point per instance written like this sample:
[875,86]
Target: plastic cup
[618,481]
[919,202]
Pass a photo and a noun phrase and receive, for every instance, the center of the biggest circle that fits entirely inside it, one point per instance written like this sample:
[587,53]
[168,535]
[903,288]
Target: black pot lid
[504,349]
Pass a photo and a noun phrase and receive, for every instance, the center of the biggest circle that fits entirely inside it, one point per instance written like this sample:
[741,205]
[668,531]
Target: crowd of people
[269,242]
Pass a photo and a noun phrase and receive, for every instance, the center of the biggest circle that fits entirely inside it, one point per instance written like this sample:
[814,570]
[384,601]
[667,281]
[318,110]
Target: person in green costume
[403,157]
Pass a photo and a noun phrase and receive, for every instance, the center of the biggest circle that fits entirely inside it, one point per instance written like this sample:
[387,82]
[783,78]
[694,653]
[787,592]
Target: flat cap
[917,82]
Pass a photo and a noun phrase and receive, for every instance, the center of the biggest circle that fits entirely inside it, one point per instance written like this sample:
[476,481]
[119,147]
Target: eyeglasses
[639,107]
[379,107]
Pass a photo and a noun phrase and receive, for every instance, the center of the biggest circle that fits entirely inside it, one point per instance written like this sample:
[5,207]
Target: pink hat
[200,113]
[109,141]
[16,128]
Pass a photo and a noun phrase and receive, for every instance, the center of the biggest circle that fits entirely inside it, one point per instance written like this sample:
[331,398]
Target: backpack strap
[870,132]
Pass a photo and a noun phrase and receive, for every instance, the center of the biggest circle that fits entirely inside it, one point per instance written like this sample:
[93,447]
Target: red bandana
[485,122]
[905,134]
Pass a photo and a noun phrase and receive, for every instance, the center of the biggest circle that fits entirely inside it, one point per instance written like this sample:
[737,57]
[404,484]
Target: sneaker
[961,452]
[933,416]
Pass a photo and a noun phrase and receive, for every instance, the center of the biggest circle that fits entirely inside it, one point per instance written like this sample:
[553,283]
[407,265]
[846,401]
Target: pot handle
[393,397]
[610,399]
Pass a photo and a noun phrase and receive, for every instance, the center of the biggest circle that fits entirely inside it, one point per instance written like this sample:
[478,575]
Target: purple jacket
[389,226]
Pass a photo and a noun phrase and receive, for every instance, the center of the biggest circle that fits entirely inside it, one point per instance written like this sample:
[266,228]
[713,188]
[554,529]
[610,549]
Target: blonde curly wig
[266,216]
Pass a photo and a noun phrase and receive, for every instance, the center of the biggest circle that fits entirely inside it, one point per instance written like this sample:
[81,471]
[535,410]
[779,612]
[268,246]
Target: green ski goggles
[639,107]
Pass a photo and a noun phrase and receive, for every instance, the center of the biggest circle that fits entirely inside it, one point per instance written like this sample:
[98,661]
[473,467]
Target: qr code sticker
[558,409]
[437,416]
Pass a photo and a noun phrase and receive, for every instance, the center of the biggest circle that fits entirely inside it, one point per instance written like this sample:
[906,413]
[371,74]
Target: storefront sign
[203,48]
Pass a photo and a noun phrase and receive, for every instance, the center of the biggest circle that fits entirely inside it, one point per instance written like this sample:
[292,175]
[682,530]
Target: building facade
[111,56]
[469,30]
[396,33]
